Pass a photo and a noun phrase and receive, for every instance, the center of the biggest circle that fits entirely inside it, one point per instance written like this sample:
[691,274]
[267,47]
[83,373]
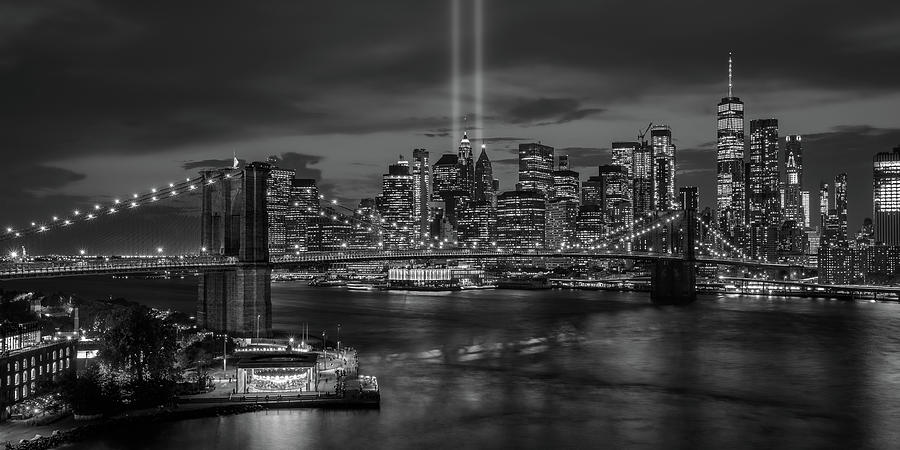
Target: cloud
[545,111]
[210,163]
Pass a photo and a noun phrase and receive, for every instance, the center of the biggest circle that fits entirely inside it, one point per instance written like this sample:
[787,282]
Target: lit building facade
[642,188]
[730,183]
[840,204]
[396,207]
[663,168]
[521,219]
[886,197]
[421,173]
[303,206]
[793,183]
[764,204]
[26,360]
[278,195]
[484,177]
[535,168]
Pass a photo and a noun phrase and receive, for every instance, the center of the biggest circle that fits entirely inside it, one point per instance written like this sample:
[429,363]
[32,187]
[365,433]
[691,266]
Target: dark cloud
[210,163]
[300,163]
[82,79]
[545,111]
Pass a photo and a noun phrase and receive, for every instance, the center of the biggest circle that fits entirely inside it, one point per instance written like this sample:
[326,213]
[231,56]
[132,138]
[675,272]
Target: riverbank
[59,437]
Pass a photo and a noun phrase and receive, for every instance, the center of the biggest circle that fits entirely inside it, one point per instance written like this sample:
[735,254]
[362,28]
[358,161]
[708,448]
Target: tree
[139,345]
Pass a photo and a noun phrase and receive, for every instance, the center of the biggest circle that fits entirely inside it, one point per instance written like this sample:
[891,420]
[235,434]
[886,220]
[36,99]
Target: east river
[566,369]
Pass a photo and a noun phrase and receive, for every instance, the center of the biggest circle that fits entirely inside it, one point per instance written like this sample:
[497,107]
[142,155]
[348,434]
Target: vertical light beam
[479,67]
[455,36]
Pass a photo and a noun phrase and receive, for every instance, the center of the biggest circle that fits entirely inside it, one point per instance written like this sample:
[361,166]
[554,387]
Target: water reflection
[548,369]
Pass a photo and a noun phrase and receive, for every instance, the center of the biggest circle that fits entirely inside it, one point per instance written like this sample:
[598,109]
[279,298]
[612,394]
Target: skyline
[102,134]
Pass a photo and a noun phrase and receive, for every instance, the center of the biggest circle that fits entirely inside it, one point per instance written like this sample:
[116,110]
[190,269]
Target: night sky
[100,99]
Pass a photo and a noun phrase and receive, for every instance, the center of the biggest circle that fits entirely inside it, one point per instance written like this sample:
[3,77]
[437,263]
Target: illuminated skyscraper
[689,198]
[840,204]
[643,179]
[521,219]
[765,205]
[823,205]
[278,193]
[623,156]
[793,186]
[807,209]
[445,176]
[886,197]
[663,167]
[484,177]
[535,167]
[396,206]
[466,166]
[421,172]
[303,206]
[730,192]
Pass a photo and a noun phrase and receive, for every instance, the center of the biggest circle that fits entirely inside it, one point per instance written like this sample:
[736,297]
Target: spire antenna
[730,85]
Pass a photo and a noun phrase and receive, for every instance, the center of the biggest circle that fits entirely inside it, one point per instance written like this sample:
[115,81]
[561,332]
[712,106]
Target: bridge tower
[238,300]
[674,281]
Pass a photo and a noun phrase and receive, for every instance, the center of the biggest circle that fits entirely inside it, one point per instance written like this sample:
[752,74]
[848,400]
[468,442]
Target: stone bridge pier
[238,300]
[674,281]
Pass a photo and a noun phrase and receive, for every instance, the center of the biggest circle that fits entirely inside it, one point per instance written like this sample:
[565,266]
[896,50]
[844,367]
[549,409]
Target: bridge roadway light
[81,252]
[13,254]
[159,249]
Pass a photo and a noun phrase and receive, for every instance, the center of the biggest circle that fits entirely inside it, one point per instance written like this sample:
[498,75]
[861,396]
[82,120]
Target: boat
[361,286]
[327,282]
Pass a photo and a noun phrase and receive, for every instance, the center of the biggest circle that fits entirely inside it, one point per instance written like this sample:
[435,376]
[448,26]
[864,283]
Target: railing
[40,269]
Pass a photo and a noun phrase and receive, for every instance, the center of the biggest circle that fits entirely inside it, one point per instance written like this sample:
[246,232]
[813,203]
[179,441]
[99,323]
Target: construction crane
[644,133]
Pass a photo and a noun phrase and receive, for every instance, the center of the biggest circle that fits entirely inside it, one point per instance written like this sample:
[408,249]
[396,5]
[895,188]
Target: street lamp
[339,338]
[257,326]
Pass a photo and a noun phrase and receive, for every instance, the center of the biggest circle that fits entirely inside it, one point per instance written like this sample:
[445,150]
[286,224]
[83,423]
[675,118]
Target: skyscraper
[793,186]
[663,167]
[278,193]
[421,172]
[823,205]
[303,206]
[765,205]
[445,176]
[397,192]
[484,177]
[886,197]
[643,179]
[623,156]
[840,204]
[730,192]
[535,167]
[466,165]
[689,197]
[562,206]
[806,207]
[521,219]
